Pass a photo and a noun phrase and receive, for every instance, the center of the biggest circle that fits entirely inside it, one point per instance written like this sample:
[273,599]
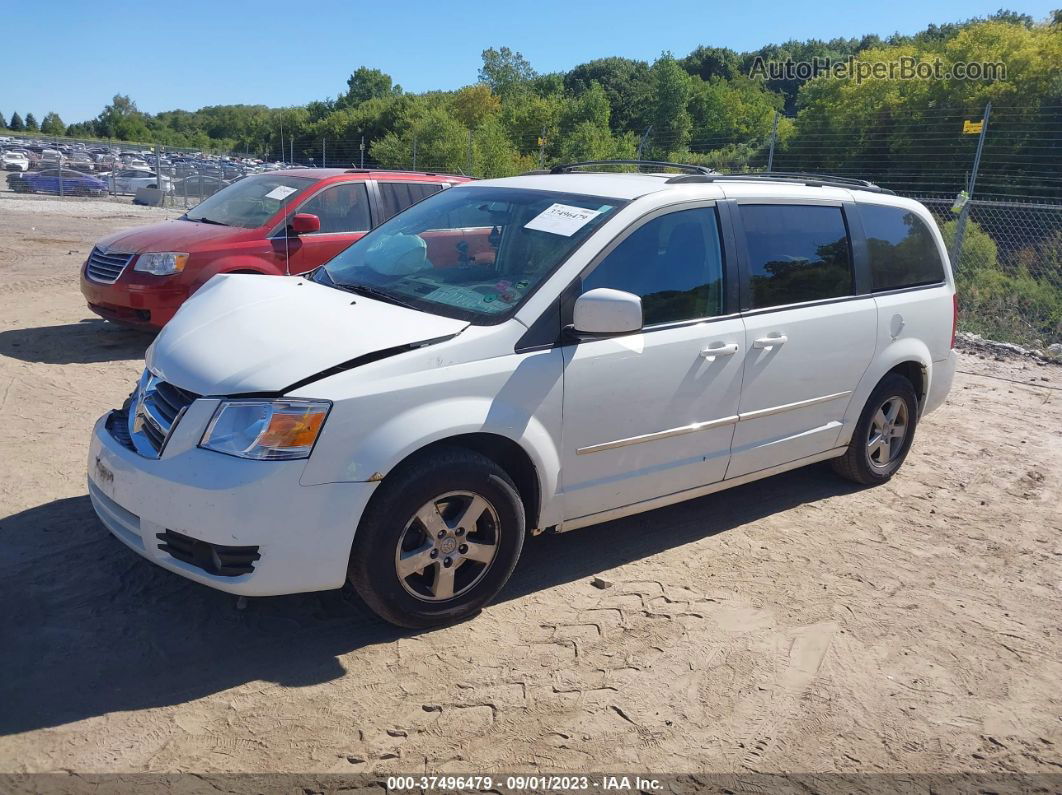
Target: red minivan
[281,222]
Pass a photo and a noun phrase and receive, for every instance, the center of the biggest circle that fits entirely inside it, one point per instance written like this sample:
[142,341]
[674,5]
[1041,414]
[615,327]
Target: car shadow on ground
[89,627]
[87,342]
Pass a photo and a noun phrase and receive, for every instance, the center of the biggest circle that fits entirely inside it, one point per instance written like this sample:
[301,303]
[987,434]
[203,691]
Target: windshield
[250,202]
[469,252]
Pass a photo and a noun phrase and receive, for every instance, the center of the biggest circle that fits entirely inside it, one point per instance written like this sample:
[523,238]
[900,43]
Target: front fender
[386,411]
[896,352]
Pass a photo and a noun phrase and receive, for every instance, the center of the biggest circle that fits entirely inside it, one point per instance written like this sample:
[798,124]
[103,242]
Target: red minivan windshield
[250,202]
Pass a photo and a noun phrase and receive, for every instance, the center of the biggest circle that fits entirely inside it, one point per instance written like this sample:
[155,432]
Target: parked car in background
[57,181]
[131,180]
[51,158]
[15,161]
[620,342]
[283,222]
[198,186]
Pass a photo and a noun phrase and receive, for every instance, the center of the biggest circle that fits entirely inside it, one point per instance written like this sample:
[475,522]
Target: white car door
[653,413]
[809,336]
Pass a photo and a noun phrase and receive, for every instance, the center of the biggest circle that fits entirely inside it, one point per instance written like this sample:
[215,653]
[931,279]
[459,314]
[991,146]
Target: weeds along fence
[1005,161]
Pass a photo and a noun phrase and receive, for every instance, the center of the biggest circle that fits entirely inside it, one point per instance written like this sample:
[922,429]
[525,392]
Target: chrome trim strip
[767,412]
[704,426]
[652,437]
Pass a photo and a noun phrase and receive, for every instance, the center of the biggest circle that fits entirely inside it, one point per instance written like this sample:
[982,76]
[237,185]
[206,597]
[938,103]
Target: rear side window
[902,250]
[397,196]
[673,263]
[797,252]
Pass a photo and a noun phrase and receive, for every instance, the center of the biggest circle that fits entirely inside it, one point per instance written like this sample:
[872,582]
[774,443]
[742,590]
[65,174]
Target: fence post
[361,148]
[643,141]
[469,171]
[960,227]
[774,140]
[324,155]
[414,152]
[542,150]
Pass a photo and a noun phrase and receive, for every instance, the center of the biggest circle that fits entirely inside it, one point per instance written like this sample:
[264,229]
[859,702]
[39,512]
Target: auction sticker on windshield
[280,192]
[562,219]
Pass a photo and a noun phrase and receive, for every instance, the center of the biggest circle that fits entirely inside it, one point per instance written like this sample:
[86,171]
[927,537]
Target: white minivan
[517,355]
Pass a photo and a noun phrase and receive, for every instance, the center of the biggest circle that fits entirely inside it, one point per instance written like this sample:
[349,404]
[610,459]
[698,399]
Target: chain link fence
[1009,272]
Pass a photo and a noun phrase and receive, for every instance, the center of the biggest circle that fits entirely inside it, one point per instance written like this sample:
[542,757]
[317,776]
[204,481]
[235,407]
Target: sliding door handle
[770,341]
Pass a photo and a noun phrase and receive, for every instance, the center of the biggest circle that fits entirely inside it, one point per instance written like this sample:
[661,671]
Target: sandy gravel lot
[796,624]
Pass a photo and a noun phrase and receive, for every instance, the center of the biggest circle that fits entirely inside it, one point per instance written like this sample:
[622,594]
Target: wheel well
[505,453]
[916,374]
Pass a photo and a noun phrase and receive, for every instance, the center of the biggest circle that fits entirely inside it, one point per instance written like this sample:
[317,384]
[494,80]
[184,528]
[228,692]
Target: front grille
[216,559]
[156,409]
[117,425]
[106,266]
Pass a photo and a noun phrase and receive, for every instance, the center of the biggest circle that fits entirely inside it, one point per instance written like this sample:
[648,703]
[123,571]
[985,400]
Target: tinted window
[796,253]
[341,208]
[674,263]
[397,196]
[902,250]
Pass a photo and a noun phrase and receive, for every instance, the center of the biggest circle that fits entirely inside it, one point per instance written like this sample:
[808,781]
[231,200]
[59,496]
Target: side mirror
[606,312]
[305,224]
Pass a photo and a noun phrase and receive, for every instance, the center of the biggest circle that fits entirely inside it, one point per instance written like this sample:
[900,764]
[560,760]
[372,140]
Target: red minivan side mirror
[305,223]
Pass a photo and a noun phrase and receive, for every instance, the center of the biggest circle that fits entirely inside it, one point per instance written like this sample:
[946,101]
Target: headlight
[270,430]
[161,263]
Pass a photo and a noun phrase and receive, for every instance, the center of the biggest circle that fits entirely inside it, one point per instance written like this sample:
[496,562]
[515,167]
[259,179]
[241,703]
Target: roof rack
[568,168]
[400,171]
[794,177]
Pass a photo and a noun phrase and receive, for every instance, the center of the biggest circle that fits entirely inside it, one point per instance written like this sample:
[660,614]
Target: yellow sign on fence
[972,127]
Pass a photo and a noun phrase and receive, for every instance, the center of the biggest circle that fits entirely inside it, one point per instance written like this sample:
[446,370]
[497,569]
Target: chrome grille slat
[156,409]
[106,266]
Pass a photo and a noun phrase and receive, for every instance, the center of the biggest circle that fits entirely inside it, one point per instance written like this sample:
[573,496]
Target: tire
[391,532]
[867,462]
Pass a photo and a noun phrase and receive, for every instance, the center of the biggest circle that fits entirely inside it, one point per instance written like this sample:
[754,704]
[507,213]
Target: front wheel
[883,434]
[439,539]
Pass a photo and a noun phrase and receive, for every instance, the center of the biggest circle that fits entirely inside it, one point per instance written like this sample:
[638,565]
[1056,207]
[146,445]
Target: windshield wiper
[204,220]
[371,292]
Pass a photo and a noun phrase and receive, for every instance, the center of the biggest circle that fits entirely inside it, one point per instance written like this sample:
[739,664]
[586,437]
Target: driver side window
[674,263]
[341,208]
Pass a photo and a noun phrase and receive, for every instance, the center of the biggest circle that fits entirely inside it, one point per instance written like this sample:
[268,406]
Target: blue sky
[73,57]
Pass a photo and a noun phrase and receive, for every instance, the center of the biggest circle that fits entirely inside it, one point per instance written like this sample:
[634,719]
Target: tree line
[710,106]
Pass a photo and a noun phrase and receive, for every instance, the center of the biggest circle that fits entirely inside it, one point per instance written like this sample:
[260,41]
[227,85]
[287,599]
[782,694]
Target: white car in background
[130,180]
[609,344]
[14,161]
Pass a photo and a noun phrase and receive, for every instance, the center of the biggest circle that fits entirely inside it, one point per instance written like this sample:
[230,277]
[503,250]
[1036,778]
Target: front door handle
[727,349]
[771,341]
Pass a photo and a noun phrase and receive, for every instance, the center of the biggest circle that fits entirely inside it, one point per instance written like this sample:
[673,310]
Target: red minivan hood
[175,235]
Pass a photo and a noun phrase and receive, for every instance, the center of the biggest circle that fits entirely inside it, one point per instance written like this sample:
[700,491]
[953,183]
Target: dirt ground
[795,624]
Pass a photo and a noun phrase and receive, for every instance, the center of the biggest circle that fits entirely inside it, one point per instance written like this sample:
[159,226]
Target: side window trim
[857,242]
[861,274]
[574,289]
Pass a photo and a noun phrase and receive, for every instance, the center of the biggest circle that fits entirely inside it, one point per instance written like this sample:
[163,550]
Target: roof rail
[568,168]
[400,171]
[795,177]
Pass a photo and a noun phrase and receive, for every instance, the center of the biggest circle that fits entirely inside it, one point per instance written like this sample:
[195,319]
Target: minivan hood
[246,333]
[175,235]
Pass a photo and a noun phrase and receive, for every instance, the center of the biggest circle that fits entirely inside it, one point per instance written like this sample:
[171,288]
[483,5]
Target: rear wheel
[439,540]
[883,434]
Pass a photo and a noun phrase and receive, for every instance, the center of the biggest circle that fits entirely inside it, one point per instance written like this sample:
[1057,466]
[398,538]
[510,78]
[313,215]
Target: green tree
[505,71]
[31,122]
[3,122]
[16,123]
[474,104]
[435,141]
[365,84]
[670,118]
[709,62]
[52,124]
[626,83]
[494,154]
